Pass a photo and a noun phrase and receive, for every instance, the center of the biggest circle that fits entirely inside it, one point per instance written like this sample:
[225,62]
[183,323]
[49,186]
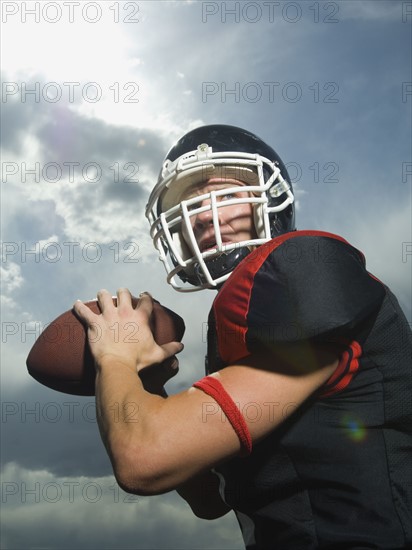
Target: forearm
[124,410]
[150,438]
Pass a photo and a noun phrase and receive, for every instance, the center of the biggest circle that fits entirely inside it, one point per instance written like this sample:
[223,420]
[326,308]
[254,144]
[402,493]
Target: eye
[193,206]
[228,196]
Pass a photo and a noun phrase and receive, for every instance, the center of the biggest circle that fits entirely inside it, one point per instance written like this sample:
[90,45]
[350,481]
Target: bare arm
[159,444]
[201,492]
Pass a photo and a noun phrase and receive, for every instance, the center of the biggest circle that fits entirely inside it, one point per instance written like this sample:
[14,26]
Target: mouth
[210,245]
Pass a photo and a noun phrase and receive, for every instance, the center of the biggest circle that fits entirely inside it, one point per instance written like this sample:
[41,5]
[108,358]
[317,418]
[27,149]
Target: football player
[302,422]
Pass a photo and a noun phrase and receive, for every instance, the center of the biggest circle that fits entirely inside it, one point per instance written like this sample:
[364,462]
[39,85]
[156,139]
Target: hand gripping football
[61,359]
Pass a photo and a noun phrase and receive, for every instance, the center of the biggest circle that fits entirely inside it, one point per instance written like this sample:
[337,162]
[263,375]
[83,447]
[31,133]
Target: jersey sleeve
[305,285]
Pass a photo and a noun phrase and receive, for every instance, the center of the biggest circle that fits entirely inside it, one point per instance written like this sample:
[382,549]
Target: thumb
[172,348]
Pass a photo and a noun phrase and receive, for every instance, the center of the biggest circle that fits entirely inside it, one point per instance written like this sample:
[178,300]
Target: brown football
[61,359]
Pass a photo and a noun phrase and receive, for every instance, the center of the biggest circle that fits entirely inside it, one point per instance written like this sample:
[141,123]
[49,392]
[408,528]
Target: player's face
[235,221]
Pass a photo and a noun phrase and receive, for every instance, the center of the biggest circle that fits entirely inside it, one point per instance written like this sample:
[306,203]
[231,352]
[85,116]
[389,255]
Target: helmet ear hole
[276,226]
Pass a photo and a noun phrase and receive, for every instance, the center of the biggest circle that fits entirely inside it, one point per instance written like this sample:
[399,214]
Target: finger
[145,303]
[172,348]
[105,300]
[84,313]
[124,298]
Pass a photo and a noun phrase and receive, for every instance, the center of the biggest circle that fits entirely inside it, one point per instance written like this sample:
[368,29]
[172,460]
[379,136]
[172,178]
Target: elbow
[133,484]
[134,481]
[130,482]
[139,474]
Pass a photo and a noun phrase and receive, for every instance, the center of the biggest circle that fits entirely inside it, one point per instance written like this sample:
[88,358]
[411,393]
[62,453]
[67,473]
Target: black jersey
[337,472]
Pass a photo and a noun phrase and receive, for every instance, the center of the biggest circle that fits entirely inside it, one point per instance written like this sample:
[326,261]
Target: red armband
[214,388]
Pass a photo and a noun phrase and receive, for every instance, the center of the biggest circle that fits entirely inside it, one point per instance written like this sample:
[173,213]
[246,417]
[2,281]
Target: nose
[203,219]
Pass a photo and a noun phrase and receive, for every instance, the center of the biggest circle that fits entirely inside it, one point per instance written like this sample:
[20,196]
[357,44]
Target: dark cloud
[20,220]
[44,429]
[102,163]
[113,520]
[16,123]
[67,136]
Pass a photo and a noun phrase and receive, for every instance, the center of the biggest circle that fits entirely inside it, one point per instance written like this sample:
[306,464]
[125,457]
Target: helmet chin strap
[222,264]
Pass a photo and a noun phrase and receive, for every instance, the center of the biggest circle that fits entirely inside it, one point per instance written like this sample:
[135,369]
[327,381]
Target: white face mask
[256,182]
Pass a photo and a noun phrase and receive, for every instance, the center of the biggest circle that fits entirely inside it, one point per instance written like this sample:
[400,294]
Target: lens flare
[354,428]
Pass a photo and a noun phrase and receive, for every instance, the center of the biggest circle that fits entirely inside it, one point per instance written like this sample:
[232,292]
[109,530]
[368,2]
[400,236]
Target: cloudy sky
[93,95]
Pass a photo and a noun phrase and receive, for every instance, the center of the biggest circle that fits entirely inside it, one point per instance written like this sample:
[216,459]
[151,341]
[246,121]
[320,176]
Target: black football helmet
[210,151]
